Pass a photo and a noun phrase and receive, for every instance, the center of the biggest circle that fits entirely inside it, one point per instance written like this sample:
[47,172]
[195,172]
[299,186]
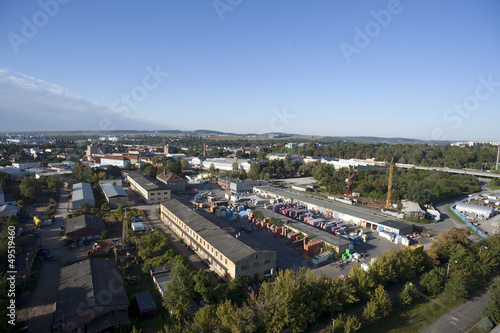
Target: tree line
[295,300]
[422,186]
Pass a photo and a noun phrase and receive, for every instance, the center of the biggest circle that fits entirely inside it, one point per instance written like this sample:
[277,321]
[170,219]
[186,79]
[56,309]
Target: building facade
[172,181]
[146,188]
[226,255]
[119,161]
[115,194]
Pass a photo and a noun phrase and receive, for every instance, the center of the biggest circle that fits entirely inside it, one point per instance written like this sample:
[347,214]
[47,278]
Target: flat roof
[359,212]
[82,191]
[111,190]
[320,234]
[230,247]
[143,181]
[145,301]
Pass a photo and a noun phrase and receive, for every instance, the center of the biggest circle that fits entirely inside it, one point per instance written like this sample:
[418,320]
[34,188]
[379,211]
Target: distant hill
[273,135]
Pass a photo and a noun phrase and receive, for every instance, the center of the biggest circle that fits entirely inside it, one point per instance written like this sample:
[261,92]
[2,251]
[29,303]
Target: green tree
[407,295]
[255,170]
[211,169]
[492,309]
[234,319]
[346,324]
[30,188]
[284,303]
[5,180]
[361,281]
[235,166]
[179,292]
[433,280]
[184,165]
[378,306]
[205,320]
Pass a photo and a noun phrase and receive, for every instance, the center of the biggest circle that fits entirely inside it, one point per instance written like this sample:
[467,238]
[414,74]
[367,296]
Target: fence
[473,227]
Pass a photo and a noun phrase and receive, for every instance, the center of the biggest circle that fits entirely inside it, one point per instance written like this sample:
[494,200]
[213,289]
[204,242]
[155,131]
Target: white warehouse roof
[475,209]
[111,191]
[82,191]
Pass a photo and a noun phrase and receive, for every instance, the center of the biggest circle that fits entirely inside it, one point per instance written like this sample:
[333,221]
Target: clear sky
[411,68]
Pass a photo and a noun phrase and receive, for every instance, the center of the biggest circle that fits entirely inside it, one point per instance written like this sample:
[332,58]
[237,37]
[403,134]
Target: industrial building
[115,194]
[82,194]
[354,215]
[226,255]
[240,186]
[145,186]
[412,209]
[85,226]
[226,164]
[338,243]
[91,298]
[172,181]
[119,161]
[481,212]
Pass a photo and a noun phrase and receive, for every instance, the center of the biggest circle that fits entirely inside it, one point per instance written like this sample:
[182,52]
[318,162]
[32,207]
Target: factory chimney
[498,156]
[205,151]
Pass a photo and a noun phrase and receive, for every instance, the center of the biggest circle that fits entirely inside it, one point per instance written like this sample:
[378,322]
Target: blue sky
[409,68]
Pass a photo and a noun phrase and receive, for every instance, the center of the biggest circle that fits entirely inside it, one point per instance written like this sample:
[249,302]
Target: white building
[15,173]
[481,212]
[24,166]
[119,161]
[82,194]
[226,164]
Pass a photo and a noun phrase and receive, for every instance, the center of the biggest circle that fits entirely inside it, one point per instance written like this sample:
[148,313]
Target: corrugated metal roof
[82,191]
[230,247]
[144,181]
[358,212]
[111,191]
[476,209]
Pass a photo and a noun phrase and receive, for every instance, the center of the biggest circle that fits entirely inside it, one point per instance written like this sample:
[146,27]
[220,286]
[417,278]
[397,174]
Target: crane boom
[389,188]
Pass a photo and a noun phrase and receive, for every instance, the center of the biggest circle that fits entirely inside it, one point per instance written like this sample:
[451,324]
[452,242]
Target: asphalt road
[461,318]
[38,310]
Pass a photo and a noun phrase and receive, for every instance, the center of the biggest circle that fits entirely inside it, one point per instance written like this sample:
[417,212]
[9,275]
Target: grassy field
[416,317]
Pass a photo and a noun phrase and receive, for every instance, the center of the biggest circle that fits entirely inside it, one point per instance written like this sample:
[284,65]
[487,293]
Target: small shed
[146,305]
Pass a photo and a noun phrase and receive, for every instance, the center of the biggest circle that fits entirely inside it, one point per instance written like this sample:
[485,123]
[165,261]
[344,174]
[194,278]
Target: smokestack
[498,156]
[205,151]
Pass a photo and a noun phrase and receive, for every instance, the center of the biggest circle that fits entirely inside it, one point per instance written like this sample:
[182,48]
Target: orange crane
[389,189]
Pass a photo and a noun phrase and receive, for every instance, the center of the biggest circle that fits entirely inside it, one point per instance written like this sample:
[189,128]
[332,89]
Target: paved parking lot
[288,258]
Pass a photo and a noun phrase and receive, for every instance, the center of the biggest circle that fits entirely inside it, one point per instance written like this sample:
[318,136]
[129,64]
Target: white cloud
[32,104]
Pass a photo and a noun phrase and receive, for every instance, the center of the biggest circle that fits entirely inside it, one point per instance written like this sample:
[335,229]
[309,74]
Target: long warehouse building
[226,255]
[354,215]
